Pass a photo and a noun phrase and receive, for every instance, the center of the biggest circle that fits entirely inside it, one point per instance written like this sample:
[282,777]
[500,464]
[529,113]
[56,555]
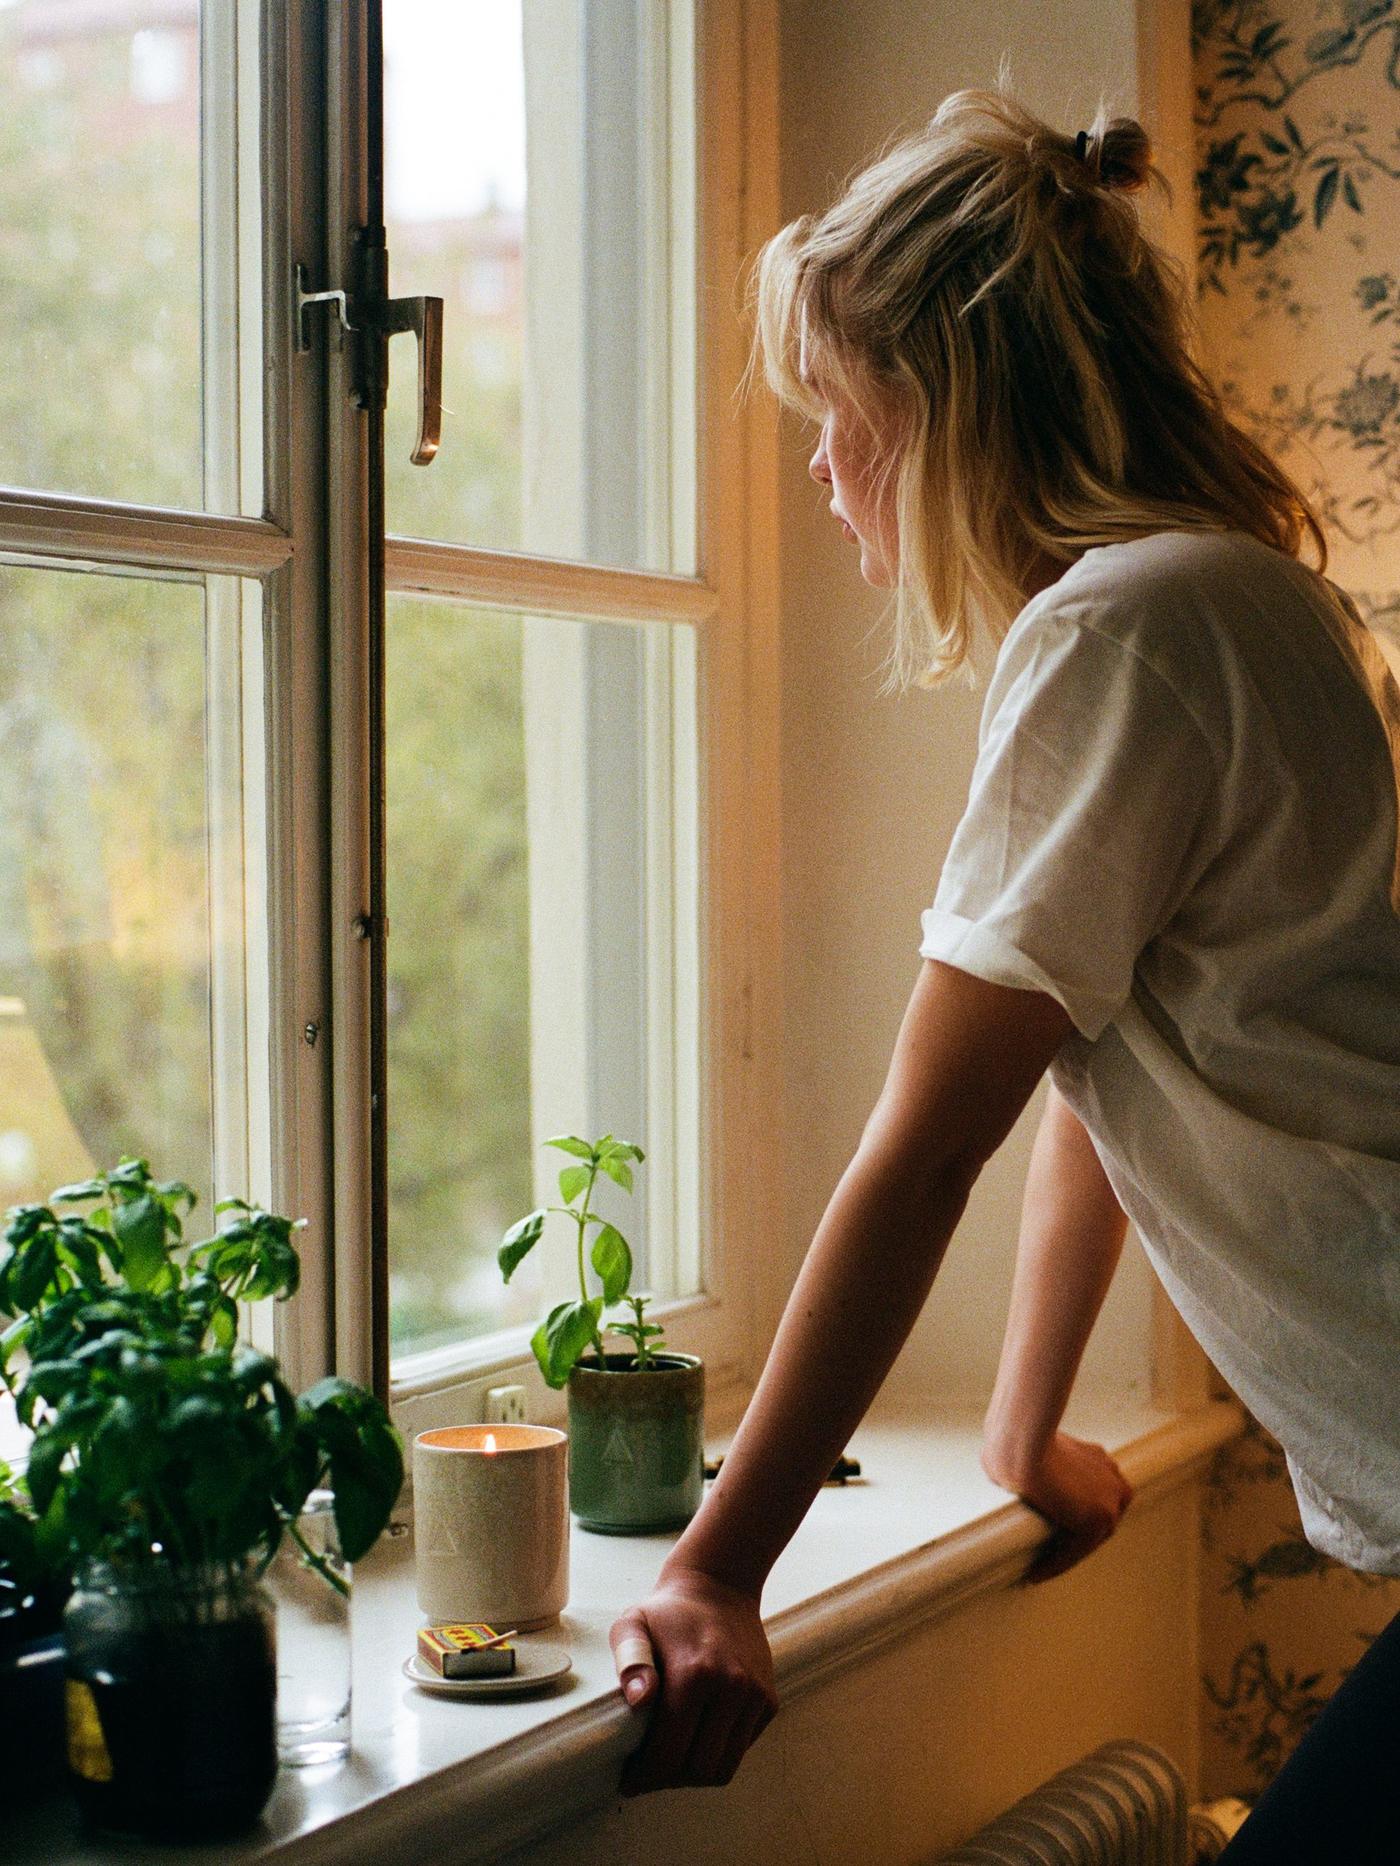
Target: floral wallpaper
[1297,106]
[1281,1625]
[1298,212]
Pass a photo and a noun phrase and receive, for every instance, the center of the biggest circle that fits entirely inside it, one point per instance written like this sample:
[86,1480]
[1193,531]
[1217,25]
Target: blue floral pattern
[1298,205]
[1279,1628]
[1298,272]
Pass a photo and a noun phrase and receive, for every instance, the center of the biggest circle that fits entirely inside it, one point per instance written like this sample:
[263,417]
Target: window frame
[283,552]
[322,645]
[739,1012]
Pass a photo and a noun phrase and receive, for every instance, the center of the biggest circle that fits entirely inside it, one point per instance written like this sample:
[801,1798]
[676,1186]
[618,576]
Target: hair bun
[1119,153]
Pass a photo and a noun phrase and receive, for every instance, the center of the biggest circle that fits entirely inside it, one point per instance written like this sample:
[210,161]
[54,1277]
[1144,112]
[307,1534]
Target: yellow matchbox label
[457,1650]
[87,1746]
[459,1638]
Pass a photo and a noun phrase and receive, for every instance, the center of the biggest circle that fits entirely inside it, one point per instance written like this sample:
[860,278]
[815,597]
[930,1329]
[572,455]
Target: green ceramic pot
[636,1450]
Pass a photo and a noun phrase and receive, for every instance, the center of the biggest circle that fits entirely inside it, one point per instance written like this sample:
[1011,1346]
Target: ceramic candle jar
[491,1524]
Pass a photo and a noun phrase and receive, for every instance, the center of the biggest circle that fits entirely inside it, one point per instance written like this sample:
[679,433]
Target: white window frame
[266,755]
[728,1225]
[316,1002]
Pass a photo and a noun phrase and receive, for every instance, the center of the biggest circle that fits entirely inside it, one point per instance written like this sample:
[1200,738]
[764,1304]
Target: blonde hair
[983,298]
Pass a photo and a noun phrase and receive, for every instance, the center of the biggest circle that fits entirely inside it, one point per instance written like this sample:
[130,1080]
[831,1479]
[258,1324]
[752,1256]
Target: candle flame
[490,1441]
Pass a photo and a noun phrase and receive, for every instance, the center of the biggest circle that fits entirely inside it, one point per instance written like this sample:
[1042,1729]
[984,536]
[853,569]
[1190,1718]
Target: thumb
[634,1658]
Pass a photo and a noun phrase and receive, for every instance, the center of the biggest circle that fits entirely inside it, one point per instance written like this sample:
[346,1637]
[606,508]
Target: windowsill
[922,1532]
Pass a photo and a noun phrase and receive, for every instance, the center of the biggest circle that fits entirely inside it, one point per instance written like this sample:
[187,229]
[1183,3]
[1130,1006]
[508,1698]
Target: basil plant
[576,1327]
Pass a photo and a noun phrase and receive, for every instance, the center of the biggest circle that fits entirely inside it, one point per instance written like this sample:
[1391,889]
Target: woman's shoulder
[1197,566]
[1177,599]
[1194,620]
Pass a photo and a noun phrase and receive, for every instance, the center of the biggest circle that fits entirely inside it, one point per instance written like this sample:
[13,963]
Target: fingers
[1061,1553]
[660,1758]
[720,1734]
[640,1684]
[634,1659]
[744,1734]
[718,1745]
[696,1659]
[1069,1546]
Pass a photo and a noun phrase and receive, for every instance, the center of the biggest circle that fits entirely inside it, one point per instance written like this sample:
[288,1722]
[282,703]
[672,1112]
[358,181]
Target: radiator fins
[1123,1805]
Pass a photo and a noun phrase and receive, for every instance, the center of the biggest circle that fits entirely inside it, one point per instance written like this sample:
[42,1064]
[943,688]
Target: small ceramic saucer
[534,1666]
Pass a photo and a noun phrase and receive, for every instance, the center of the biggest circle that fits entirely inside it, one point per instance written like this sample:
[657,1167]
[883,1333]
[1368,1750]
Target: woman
[1175,887]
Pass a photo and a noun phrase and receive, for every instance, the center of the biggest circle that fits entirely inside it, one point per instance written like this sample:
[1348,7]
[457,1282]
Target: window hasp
[371,317]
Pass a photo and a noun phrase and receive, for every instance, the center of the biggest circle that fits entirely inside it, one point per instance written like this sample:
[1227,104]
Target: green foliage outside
[104,935]
[459,1035]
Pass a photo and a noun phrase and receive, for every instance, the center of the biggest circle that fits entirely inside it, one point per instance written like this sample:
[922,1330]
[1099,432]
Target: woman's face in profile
[848,459]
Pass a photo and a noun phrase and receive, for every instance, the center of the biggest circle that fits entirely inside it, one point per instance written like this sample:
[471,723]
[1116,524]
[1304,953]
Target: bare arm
[967,1058]
[1072,1230]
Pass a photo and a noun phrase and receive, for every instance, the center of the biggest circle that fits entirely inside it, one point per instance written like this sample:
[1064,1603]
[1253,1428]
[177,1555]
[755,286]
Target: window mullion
[294,643]
[356,925]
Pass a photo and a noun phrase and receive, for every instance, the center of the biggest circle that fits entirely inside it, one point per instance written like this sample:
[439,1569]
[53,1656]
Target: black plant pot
[31,1709]
[171,1702]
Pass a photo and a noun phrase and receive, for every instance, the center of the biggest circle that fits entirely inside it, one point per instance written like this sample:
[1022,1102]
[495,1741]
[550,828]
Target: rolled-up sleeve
[1085,823]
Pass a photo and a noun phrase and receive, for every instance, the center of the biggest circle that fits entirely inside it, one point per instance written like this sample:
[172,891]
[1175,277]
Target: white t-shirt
[1182,826]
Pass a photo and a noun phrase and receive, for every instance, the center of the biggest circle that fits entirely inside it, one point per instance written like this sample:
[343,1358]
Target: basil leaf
[572,1181]
[566,1333]
[519,1241]
[617,1168]
[570,1143]
[612,1260]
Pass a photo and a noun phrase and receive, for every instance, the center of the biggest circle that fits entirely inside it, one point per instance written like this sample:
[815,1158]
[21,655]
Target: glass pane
[542,952]
[130,1012]
[129,281]
[539,179]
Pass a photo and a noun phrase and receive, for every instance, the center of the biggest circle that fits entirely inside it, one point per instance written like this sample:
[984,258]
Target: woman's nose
[819,466]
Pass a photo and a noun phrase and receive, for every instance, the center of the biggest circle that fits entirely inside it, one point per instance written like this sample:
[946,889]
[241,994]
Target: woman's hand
[710,1686]
[1076,1486]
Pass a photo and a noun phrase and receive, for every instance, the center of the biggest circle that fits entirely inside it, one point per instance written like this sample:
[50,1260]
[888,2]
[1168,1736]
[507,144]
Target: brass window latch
[370,317]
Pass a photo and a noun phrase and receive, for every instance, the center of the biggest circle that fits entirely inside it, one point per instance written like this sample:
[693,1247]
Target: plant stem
[582,1218]
[312,1559]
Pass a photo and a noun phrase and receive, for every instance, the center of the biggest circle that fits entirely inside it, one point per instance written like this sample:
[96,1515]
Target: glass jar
[171,1695]
[310,1583]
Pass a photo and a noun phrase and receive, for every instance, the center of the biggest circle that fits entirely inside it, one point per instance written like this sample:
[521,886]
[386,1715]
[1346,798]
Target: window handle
[376,318]
[423,316]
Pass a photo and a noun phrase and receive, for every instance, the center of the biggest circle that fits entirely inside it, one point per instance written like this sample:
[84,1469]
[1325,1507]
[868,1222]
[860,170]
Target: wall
[872,787]
[1297,107]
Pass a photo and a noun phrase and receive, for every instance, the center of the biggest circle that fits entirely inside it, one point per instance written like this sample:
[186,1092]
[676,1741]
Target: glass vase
[170,1695]
[310,1586]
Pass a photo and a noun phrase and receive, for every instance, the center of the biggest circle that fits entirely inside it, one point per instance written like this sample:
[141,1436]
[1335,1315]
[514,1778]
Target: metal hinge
[371,318]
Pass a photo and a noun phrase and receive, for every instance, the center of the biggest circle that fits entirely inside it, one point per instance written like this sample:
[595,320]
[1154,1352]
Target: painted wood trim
[543,586]
[104,532]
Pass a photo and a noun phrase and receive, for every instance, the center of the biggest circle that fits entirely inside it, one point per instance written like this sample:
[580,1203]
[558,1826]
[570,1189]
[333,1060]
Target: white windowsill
[923,1531]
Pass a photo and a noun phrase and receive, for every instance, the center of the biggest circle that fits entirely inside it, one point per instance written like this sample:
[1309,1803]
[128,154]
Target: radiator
[1124,1805]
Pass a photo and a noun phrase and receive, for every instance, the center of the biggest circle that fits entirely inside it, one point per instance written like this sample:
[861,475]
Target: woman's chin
[872,568]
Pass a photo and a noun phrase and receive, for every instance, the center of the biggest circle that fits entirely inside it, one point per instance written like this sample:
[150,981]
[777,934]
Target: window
[540,770]
[367,823]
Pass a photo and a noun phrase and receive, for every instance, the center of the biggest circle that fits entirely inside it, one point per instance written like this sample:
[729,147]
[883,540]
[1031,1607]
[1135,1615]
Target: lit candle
[491,1524]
